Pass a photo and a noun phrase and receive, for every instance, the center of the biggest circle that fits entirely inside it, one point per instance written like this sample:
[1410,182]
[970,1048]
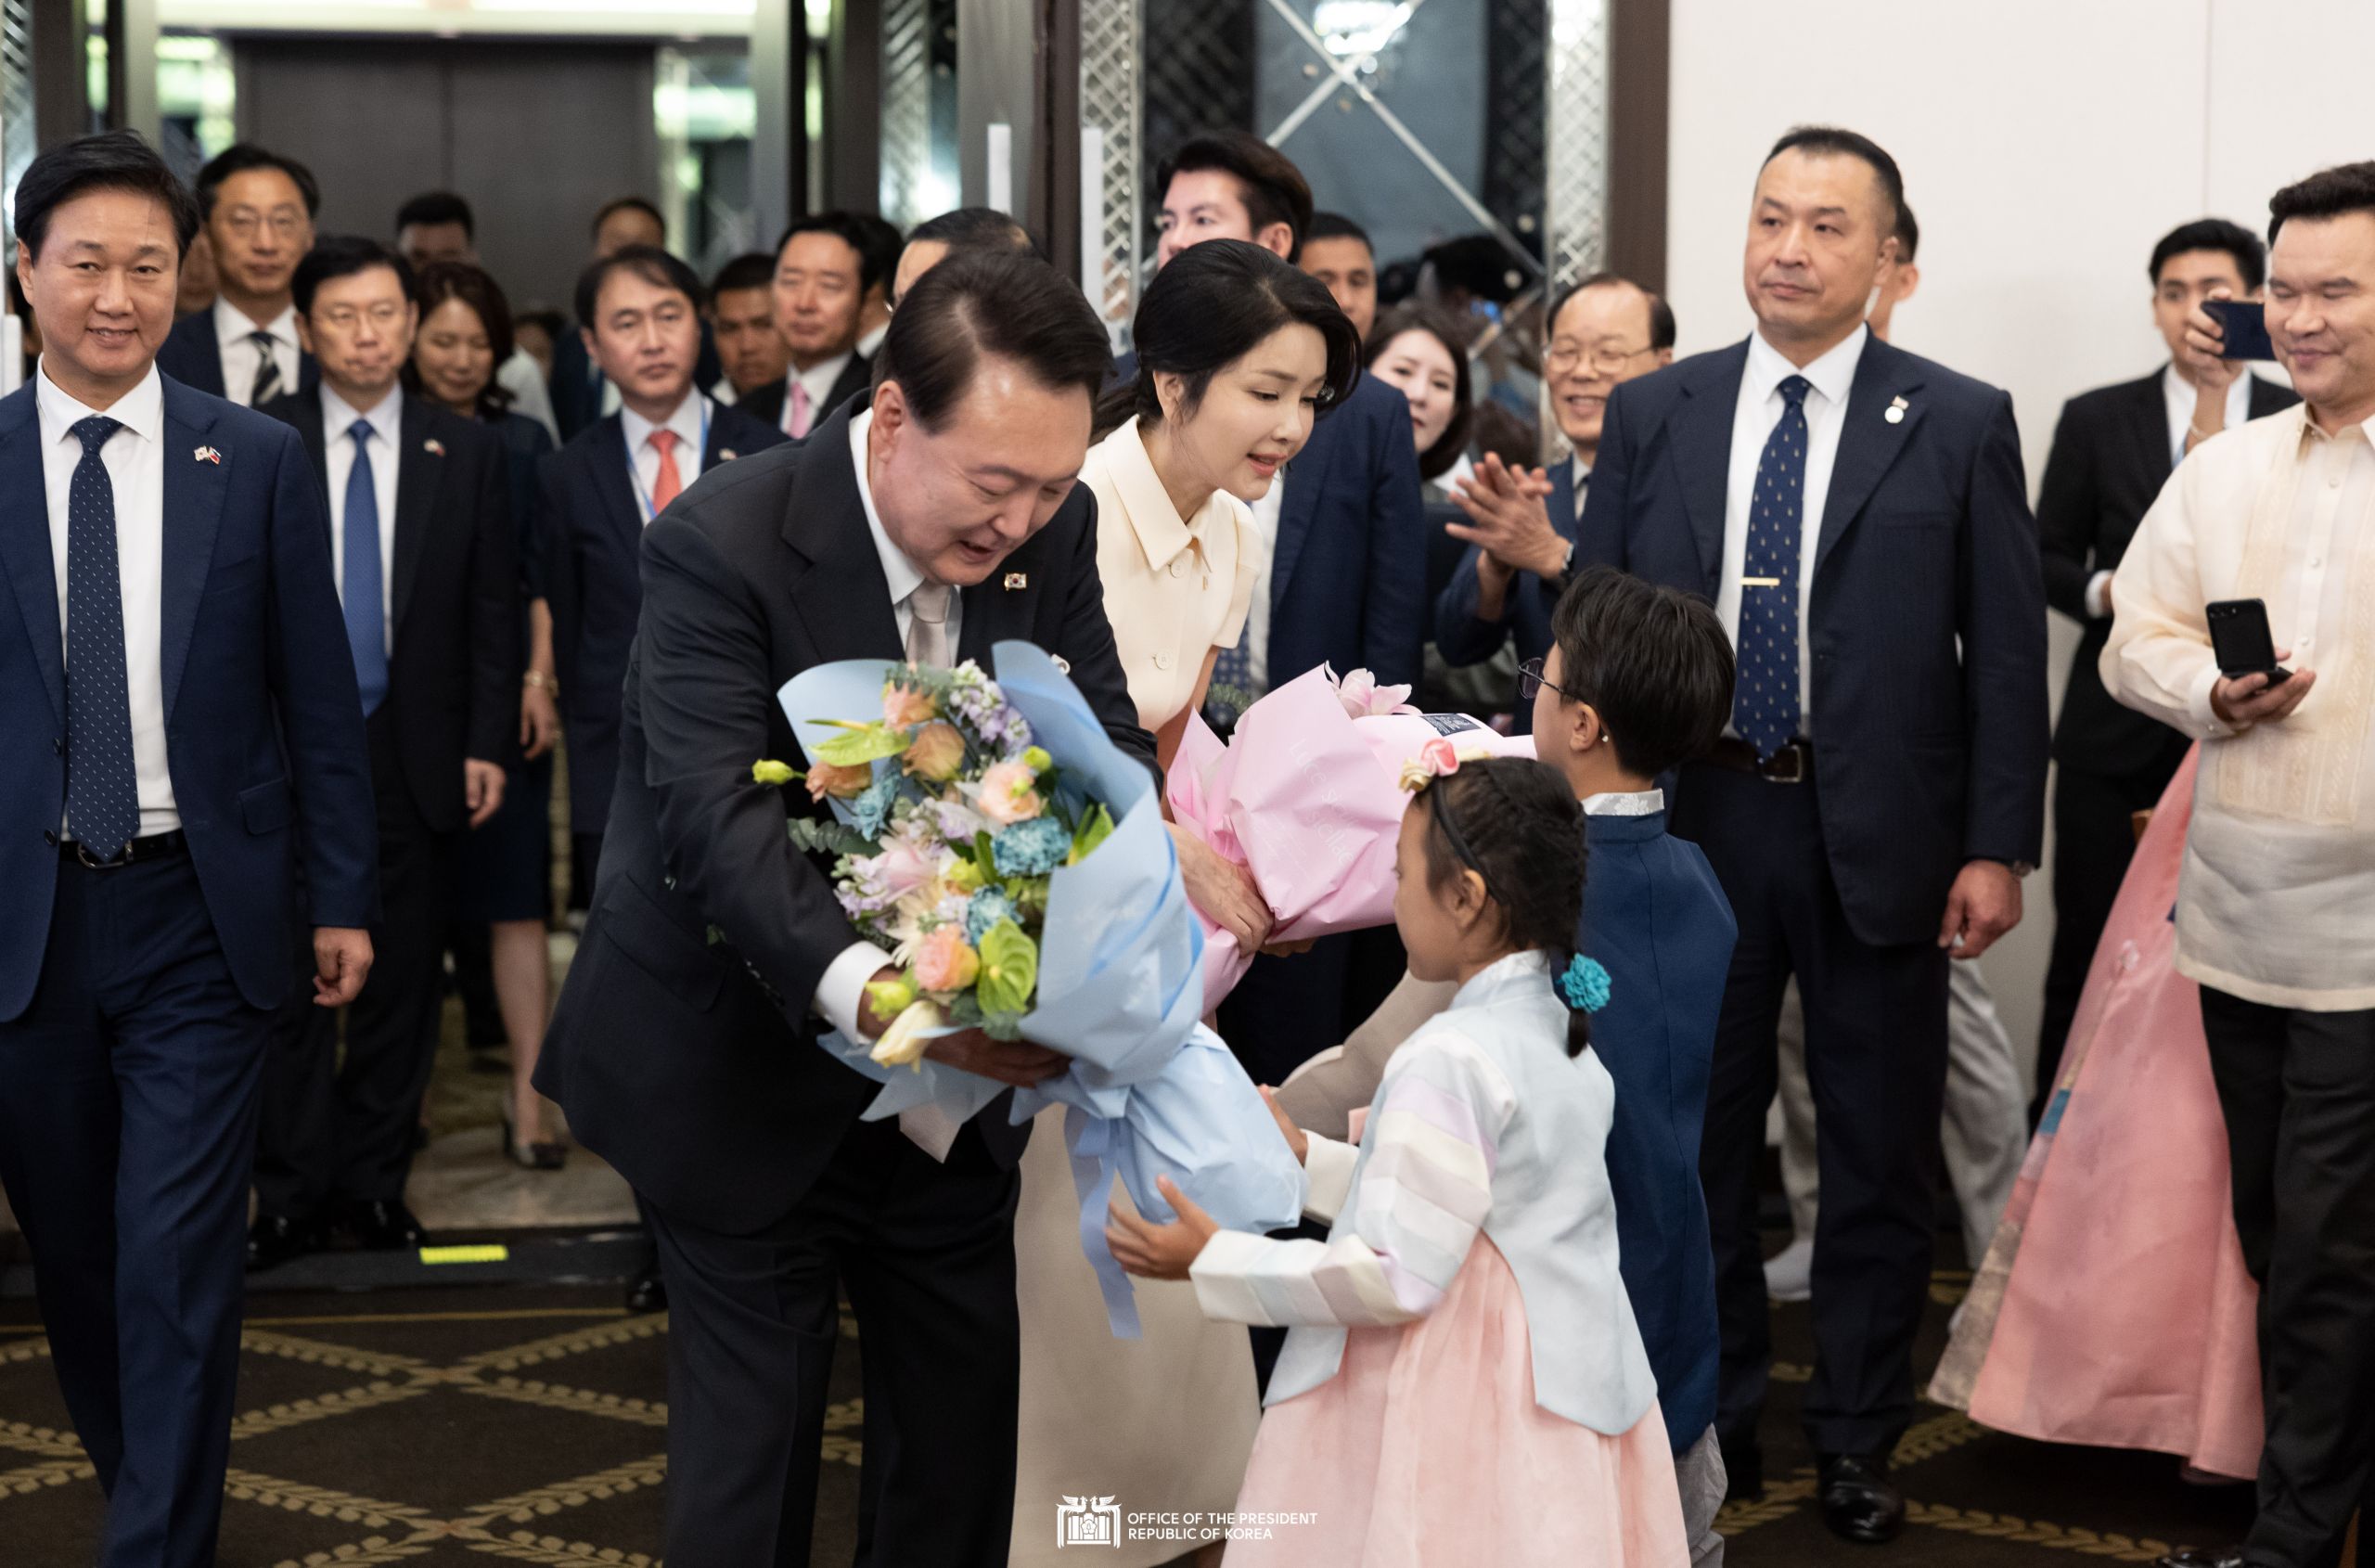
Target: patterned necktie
[359,586]
[928,626]
[102,792]
[795,411]
[267,382]
[669,483]
[1764,703]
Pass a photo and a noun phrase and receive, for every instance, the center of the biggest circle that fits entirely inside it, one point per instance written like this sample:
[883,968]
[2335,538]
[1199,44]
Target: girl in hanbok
[1464,1382]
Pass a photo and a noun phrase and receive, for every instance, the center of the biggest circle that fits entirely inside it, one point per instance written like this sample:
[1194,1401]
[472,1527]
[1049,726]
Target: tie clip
[1760,582]
[1017,580]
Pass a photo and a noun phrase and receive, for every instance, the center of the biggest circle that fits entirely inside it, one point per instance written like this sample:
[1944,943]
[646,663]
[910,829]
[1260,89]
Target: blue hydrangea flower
[872,806]
[986,909]
[1585,985]
[1032,848]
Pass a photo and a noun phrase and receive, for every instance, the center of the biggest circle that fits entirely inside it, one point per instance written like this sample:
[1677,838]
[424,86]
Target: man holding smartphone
[2276,914]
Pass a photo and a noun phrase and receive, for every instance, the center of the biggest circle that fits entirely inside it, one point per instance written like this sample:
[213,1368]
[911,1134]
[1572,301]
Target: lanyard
[635,474]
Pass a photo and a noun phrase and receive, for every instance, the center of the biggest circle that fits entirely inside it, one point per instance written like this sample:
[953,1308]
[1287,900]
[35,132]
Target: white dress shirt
[1256,640]
[1625,802]
[525,379]
[1759,410]
[337,445]
[843,990]
[691,415]
[2276,901]
[870,342]
[234,334]
[818,379]
[134,460]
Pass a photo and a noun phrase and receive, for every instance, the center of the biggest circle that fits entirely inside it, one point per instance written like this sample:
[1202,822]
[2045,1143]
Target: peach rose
[840,783]
[904,706]
[944,962]
[1010,793]
[937,753]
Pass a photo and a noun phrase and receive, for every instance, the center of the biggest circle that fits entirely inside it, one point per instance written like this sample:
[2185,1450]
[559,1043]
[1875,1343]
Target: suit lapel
[1562,500]
[617,490]
[419,474]
[306,415]
[843,598]
[2148,425]
[1701,448]
[1869,441]
[1306,481]
[24,540]
[194,491]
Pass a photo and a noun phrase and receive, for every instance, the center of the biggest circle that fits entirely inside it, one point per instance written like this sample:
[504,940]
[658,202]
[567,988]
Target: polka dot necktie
[1765,701]
[102,792]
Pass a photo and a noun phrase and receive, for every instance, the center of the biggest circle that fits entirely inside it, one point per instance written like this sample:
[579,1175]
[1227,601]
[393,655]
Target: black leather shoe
[648,1292]
[277,1238]
[2189,1557]
[1859,1501]
[1744,1472]
[385,1228]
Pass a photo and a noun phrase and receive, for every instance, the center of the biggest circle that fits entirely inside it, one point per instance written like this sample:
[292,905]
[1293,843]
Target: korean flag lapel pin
[208,454]
[1895,415]
[434,446]
[1017,581]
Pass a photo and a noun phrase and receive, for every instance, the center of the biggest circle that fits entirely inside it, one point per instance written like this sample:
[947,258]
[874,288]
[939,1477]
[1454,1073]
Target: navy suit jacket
[1926,625]
[589,531]
[1657,919]
[192,354]
[689,1062]
[1349,569]
[264,729]
[1463,638]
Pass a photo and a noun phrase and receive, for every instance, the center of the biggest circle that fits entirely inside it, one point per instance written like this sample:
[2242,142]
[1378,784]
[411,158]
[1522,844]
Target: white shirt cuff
[2099,596]
[1330,1166]
[841,996]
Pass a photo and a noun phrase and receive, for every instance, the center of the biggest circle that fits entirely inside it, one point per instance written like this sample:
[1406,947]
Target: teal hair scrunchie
[1585,985]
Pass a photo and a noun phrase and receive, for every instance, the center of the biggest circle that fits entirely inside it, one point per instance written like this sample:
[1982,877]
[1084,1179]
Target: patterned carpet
[525,1423]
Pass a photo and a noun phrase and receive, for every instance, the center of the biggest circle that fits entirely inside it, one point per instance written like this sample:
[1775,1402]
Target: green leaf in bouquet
[1010,970]
[1094,829]
[965,1011]
[985,858]
[1005,1027]
[858,744]
[810,836]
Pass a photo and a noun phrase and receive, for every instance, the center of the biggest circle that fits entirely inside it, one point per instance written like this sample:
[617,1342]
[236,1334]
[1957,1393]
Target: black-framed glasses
[1531,680]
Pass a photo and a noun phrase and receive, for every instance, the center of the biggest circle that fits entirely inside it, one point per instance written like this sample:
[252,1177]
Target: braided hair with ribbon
[1514,823]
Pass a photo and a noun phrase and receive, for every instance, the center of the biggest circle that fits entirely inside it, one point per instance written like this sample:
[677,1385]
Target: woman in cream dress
[1237,354]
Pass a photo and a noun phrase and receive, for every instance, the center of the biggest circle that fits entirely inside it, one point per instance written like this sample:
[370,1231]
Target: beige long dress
[1162,1423]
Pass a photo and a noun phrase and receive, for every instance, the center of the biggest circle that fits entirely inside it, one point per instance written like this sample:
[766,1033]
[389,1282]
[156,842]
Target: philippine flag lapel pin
[434,446]
[1017,581]
[726,454]
[208,454]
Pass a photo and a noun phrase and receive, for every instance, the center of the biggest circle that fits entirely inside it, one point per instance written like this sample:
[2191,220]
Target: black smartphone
[2245,325]
[2238,637]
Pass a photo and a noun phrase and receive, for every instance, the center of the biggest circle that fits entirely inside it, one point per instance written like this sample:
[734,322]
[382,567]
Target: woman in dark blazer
[506,878]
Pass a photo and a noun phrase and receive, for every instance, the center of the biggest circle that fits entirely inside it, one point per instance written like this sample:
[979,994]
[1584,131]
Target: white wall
[2046,146]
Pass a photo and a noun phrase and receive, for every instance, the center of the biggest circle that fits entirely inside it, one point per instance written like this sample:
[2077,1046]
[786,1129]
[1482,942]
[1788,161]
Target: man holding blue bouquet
[936,520]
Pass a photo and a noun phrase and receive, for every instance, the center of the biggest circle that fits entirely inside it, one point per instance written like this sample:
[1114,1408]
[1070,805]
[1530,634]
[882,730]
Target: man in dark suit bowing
[940,520]
[178,733]
[2113,450]
[1857,515]
[425,555]
[642,309]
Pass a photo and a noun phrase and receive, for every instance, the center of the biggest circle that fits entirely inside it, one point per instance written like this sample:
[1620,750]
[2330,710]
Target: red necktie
[670,483]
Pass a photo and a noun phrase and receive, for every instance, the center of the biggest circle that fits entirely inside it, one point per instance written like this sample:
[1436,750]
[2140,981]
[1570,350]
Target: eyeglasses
[284,222]
[386,316]
[1605,358]
[1531,680]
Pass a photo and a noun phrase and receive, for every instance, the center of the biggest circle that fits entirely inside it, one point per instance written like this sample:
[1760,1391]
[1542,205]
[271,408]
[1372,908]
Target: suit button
[1163,660]
[50,837]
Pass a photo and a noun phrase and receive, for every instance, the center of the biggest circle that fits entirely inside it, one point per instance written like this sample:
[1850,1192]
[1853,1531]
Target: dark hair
[343,255]
[1209,308]
[973,225]
[627,204]
[850,230]
[114,161]
[1498,427]
[2329,193]
[550,322]
[754,269]
[649,263]
[1479,265]
[981,303]
[1654,662]
[1514,822]
[1336,225]
[1835,140]
[2215,234]
[436,207]
[441,281]
[879,253]
[241,156]
[1435,460]
[1272,187]
[1908,233]
[1661,313]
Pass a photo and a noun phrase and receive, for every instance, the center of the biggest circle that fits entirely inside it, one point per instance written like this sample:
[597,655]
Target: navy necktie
[102,792]
[1765,701]
[359,586]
